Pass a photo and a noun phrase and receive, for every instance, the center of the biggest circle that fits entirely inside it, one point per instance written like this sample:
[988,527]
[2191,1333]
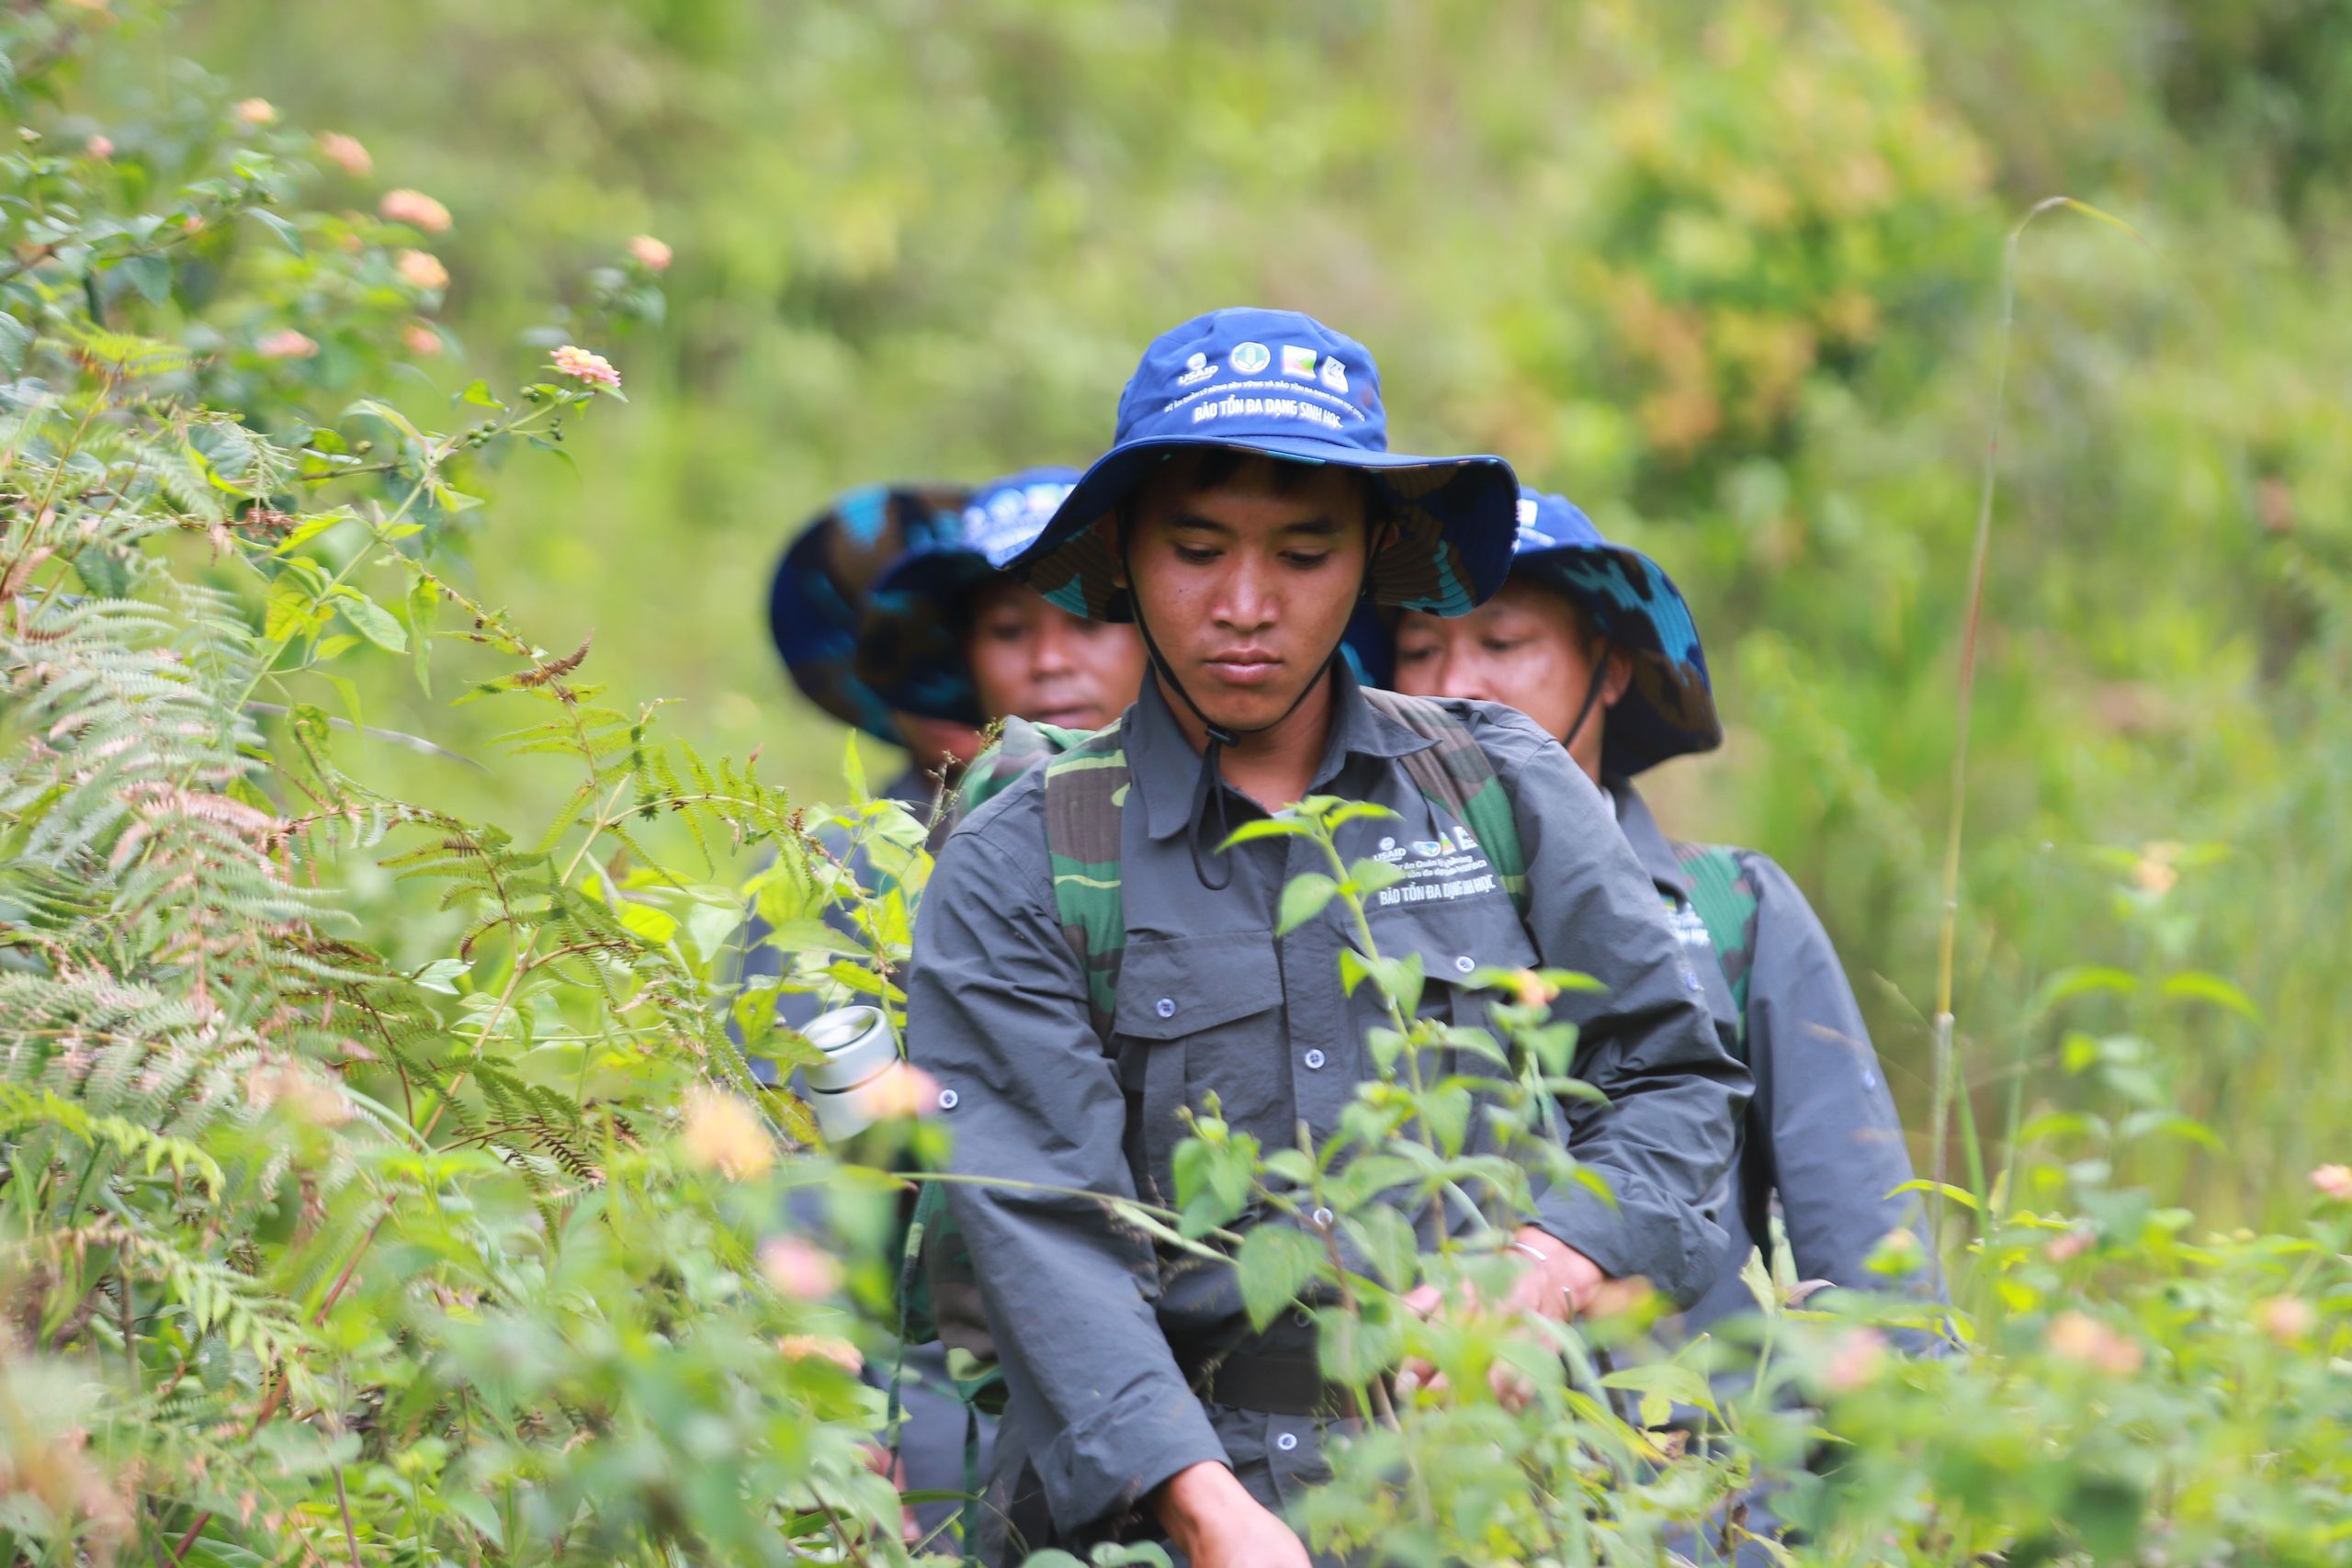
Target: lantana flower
[723,1132]
[799,1268]
[422,270]
[286,343]
[346,154]
[593,368]
[414,209]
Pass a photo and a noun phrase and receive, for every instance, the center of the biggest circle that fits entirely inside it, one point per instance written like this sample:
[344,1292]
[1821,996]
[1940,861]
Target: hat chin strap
[1591,696]
[1208,787]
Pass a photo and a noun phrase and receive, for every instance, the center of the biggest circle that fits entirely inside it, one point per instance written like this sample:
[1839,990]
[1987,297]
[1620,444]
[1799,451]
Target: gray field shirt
[1087,1321]
[1822,1135]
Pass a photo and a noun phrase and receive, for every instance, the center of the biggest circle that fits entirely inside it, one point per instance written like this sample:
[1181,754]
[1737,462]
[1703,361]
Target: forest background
[377,1181]
[1727,274]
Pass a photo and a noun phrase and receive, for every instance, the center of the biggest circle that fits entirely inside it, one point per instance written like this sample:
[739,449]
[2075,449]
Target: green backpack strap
[1086,776]
[1019,746]
[1086,792]
[1723,896]
[1457,773]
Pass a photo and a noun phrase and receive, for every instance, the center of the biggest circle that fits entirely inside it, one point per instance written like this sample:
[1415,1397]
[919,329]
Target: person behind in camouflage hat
[948,637]
[816,606]
[1090,960]
[1594,642]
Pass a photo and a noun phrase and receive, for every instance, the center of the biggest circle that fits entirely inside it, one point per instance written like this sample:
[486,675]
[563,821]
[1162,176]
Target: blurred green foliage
[1724,273]
[353,1216]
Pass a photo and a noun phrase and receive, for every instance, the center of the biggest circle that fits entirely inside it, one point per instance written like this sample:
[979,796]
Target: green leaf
[1668,1380]
[2082,980]
[1274,1263]
[854,768]
[350,696]
[16,342]
[311,528]
[1367,877]
[1959,1195]
[287,235]
[478,393]
[442,976]
[289,611]
[1266,827]
[1303,898]
[655,926]
[150,275]
[1385,1237]
[424,610]
[1354,1347]
[2198,986]
[102,573]
[374,623]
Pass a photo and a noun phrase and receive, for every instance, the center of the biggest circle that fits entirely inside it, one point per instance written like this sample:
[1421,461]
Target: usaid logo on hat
[1284,374]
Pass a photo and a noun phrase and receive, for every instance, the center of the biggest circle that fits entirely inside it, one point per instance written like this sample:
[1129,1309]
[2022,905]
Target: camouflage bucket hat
[1669,708]
[911,648]
[818,597]
[1285,385]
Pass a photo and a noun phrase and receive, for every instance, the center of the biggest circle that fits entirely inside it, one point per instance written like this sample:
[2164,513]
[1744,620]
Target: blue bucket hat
[1668,710]
[1282,384]
[911,648]
[818,597]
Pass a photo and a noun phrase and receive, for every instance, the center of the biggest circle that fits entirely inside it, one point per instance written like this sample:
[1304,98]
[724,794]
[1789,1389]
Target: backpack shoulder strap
[1724,894]
[1086,792]
[1019,746]
[1457,773]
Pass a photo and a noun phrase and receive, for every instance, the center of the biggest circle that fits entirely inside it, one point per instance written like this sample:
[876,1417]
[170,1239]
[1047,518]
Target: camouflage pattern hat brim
[1669,708]
[1450,552]
[817,598]
[911,651]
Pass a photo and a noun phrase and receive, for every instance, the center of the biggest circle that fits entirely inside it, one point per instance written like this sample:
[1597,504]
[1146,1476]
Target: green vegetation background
[1725,274]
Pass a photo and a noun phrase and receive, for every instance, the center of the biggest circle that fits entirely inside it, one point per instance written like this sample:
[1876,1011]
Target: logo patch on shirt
[1436,870]
[1688,925]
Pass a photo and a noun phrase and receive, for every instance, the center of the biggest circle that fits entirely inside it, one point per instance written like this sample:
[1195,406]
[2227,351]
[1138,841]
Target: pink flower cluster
[415,208]
[581,366]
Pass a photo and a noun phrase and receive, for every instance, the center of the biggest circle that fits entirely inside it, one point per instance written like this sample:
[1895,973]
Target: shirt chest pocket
[1454,940]
[1197,1015]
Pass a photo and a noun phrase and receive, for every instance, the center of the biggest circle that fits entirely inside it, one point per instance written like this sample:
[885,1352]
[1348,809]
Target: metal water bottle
[861,1055]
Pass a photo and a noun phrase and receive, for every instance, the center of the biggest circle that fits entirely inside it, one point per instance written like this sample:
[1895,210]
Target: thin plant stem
[1945,1054]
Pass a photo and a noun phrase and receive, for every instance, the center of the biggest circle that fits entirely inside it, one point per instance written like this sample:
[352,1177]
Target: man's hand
[1215,1523]
[1558,1283]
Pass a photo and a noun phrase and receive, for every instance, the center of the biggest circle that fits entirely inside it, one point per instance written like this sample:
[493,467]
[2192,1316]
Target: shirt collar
[1162,767]
[1651,846]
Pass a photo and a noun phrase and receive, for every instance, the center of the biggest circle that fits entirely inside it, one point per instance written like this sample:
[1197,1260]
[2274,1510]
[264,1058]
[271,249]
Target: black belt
[1274,1385]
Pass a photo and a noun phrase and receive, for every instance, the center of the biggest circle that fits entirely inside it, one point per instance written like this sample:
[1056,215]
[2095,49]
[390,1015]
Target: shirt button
[1287,1441]
[1314,1059]
[1465,964]
[948,1099]
[1166,1007]
[1322,1217]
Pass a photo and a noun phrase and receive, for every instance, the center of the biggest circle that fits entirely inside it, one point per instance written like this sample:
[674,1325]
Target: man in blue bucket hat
[947,636]
[1091,959]
[1594,642]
